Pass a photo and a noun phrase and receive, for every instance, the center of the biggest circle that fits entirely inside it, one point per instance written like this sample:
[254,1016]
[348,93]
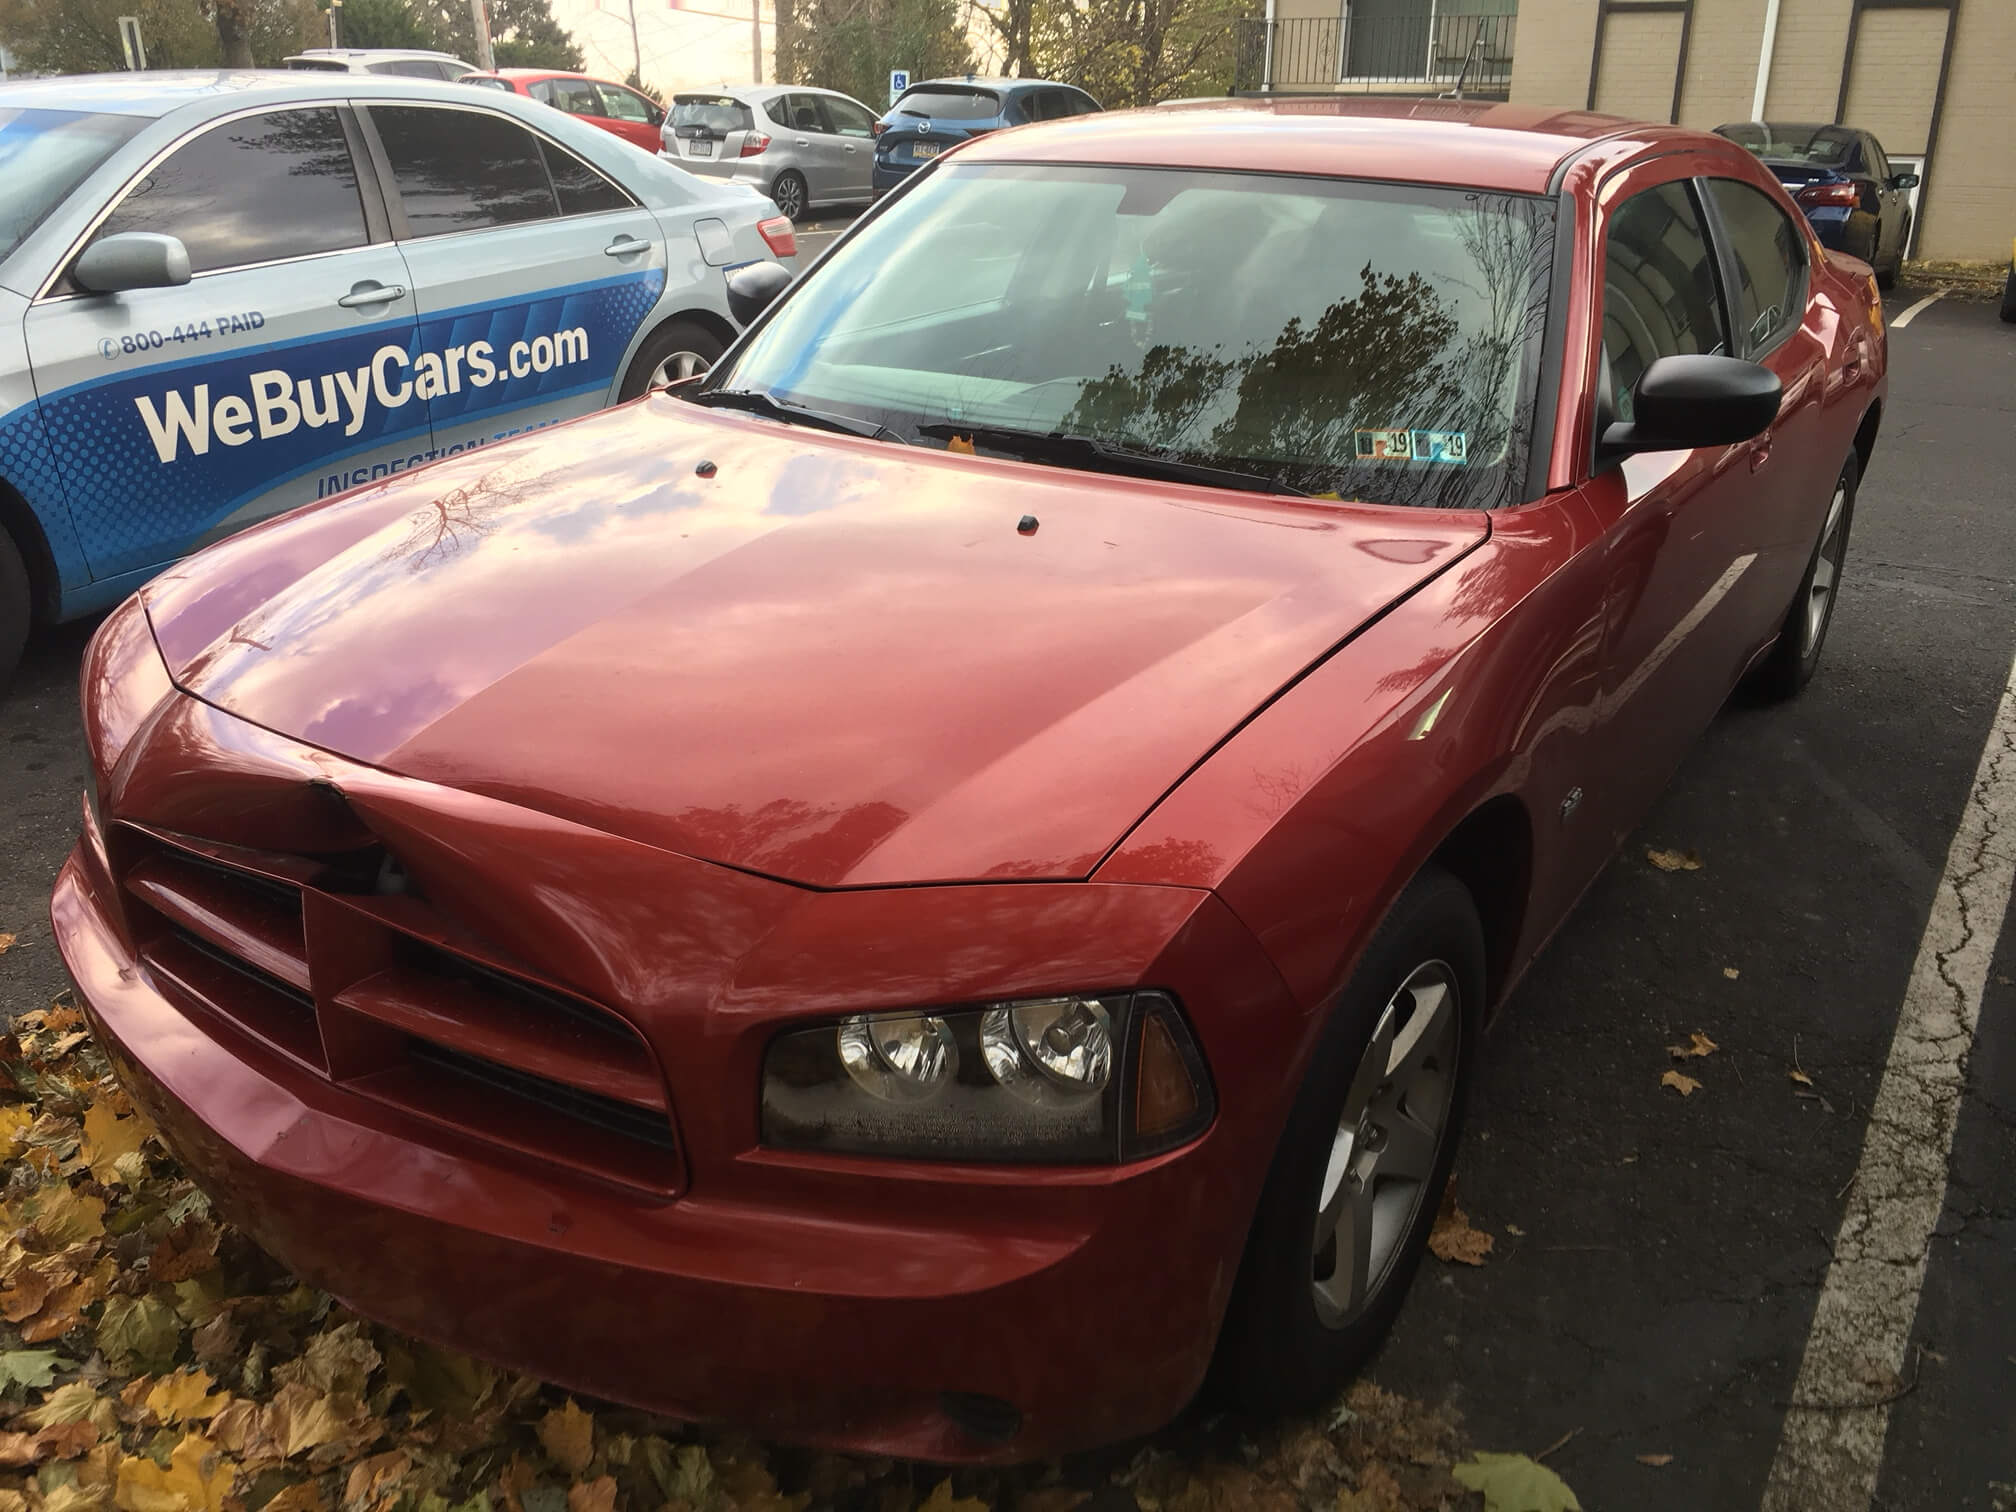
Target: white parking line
[1911,314]
[1831,1449]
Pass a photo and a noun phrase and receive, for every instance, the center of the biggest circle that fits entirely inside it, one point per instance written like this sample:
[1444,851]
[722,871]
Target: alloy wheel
[677,365]
[1826,572]
[789,195]
[1383,1155]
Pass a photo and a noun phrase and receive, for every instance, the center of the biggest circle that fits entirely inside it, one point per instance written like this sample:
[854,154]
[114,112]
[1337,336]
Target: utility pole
[636,48]
[756,40]
[481,20]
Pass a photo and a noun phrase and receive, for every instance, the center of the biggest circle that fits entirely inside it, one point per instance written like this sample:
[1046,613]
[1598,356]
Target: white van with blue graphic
[223,295]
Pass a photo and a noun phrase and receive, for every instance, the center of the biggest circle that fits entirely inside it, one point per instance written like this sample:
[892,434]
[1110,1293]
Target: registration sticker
[1442,446]
[1386,445]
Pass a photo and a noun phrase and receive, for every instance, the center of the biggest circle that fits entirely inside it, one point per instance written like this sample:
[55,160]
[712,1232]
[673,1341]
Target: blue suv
[938,114]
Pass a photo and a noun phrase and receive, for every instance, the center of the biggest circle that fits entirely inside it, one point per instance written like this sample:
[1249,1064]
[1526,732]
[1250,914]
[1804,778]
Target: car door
[1766,257]
[533,268]
[1682,533]
[1895,201]
[853,129]
[264,382]
[629,115]
[814,148]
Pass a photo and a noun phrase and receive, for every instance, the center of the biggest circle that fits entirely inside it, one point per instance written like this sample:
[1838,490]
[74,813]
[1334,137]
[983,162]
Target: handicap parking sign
[899,80]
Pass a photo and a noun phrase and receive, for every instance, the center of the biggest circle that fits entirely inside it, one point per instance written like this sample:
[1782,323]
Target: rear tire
[1792,662]
[2009,295]
[1306,1315]
[16,610]
[790,195]
[678,349]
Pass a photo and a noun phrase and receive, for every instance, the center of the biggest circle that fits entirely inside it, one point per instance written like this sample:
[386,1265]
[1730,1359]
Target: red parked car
[921,890]
[616,108]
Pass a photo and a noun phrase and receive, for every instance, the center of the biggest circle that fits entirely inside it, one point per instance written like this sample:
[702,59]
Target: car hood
[831,661]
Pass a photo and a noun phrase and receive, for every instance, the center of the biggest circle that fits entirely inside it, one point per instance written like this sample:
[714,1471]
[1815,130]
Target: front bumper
[860,1304]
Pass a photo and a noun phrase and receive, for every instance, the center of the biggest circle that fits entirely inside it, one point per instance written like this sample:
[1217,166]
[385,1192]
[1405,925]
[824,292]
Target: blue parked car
[1840,177]
[938,114]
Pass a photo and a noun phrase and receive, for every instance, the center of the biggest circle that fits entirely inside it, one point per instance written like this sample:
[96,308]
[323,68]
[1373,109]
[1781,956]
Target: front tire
[1796,657]
[678,349]
[1352,1194]
[790,195]
[2009,295]
[15,609]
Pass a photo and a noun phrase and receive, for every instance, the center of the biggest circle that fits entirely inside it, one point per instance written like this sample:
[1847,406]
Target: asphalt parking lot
[1658,1258]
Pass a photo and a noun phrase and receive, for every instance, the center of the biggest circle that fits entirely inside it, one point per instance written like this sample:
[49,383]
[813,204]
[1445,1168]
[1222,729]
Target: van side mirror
[132,260]
[753,289]
[1681,403]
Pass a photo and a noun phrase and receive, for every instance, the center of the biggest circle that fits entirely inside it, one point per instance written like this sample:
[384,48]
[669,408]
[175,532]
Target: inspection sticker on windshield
[1441,446]
[1385,446]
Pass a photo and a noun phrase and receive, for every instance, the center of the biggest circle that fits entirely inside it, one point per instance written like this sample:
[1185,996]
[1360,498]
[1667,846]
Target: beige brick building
[1934,79]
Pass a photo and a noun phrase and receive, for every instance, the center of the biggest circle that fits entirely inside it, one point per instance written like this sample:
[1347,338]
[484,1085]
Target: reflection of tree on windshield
[1395,353]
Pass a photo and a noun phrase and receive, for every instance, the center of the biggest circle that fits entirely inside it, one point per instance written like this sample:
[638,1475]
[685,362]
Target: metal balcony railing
[1319,52]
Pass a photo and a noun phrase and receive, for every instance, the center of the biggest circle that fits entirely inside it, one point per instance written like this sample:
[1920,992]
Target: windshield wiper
[1107,456]
[798,414]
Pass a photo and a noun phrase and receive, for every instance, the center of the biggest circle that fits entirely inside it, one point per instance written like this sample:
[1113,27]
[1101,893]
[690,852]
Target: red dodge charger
[934,886]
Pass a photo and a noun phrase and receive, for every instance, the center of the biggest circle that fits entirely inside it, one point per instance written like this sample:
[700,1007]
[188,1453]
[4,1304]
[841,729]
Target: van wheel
[1356,1181]
[14,607]
[678,349]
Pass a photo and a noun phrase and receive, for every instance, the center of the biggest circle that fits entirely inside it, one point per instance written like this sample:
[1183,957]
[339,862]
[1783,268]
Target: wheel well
[1865,438]
[1491,854]
[20,524]
[713,324]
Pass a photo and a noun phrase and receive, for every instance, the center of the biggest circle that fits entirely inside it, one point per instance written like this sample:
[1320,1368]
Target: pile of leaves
[153,1359]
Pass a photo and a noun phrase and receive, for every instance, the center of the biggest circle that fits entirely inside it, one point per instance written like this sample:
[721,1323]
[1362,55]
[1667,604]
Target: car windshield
[714,113]
[44,154]
[951,104]
[1825,146]
[1330,337]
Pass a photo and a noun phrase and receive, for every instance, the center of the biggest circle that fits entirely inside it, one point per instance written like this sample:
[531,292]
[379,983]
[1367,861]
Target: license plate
[699,149]
[922,150]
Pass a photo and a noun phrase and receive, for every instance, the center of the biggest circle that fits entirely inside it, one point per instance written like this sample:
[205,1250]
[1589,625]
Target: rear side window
[503,84]
[952,104]
[1770,257]
[799,112]
[846,118]
[620,105]
[575,96]
[582,190]
[462,170]
[409,68]
[1659,294]
[254,190]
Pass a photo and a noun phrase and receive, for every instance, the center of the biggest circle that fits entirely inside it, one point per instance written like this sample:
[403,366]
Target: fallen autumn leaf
[1655,1460]
[1698,1044]
[1673,860]
[1686,1086]
[1453,1239]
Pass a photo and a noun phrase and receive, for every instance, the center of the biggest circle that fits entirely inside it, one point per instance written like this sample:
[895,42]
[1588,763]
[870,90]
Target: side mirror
[753,289]
[1903,181]
[132,260]
[1684,402]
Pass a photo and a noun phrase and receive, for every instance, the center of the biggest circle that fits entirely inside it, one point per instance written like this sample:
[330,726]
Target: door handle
[803,143]
[365,295]
[625,246]
[849,146]
[1760,451]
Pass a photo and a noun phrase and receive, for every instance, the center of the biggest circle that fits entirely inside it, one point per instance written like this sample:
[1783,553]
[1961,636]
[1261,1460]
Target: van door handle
[363,296]
[625,246]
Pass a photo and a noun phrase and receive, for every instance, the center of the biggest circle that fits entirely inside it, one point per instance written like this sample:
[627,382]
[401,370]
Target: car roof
[1476,143]
[1001,85]
[158,94]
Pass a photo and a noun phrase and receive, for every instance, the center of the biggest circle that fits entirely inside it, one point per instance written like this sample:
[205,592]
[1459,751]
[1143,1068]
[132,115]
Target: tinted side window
[1659,295]
[249,191]
[801,112]
[410,68]
[582,190]
[458,170]
[1770,254]
[1879,163]
[1079,104]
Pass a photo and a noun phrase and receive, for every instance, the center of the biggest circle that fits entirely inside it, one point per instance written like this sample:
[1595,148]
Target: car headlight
[1090,1077]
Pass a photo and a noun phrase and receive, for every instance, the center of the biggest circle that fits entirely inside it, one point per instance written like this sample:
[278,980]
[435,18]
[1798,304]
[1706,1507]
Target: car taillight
[1839,195]
[880,127]
[753,143]
[778,236]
